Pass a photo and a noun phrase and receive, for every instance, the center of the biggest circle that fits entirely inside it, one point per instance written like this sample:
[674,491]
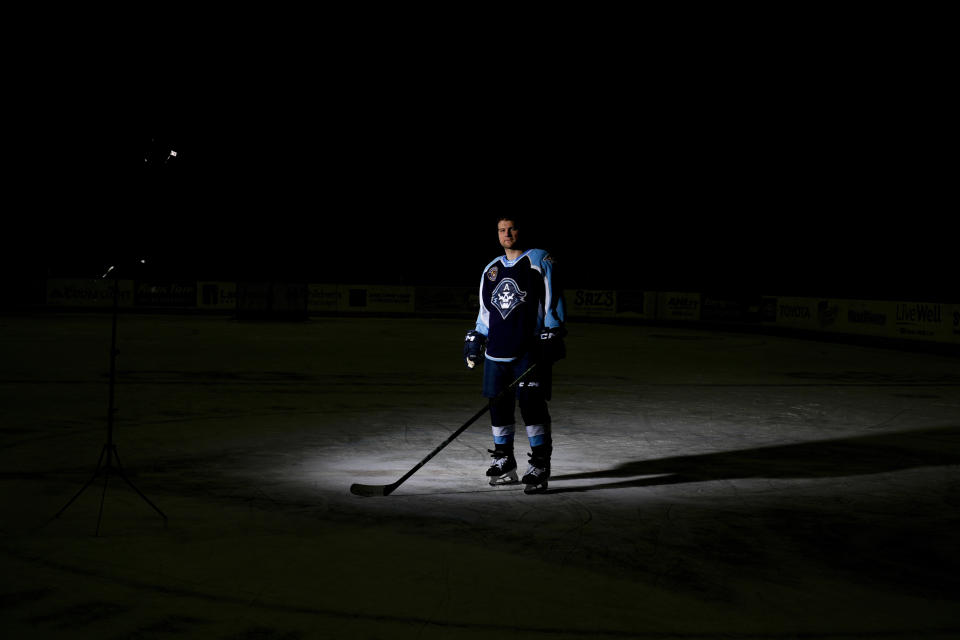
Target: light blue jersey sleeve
[554,312]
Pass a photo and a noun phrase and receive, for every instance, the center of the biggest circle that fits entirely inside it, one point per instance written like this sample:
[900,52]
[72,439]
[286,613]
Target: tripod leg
[123,475]
[103,496]
[96,472]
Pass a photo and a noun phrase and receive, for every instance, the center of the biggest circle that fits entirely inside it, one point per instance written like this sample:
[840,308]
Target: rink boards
[893,319]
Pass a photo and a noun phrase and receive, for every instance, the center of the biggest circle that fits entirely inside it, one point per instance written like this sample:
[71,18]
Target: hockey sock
[539,436]
[503,437]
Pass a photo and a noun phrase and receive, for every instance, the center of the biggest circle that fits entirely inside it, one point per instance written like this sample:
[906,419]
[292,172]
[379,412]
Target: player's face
[509,238]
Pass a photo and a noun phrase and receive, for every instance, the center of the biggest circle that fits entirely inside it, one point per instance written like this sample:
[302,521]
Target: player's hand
[550,346]
[473,347]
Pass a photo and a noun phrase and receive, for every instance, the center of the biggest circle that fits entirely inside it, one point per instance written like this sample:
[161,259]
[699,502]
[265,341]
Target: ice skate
[537,475]
[504,468]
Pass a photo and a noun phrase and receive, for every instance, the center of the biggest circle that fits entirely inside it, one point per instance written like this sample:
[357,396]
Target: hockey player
[521,323]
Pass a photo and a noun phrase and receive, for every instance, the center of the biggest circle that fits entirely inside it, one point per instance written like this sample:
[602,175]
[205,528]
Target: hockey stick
[370,490]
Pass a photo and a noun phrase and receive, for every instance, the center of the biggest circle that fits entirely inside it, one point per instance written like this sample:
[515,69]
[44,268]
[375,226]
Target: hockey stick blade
[372,490]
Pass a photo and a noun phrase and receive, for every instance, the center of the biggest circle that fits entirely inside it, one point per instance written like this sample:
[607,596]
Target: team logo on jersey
[492,274]
[507,297]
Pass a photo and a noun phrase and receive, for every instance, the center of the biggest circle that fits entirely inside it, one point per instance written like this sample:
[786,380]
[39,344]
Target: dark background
[788,158]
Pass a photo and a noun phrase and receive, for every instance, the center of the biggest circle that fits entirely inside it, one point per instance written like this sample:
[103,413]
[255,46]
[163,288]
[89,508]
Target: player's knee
[535,412]
[501,411]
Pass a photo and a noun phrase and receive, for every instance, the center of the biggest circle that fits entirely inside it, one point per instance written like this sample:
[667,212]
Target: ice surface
[705,485]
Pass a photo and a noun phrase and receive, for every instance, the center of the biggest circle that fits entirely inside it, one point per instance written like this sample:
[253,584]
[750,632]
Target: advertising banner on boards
[924,321]
[217,295]
[361,298]
[591,303]
[682,306]
[88,292]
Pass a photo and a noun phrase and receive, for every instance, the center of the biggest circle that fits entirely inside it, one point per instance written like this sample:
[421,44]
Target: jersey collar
[510,263]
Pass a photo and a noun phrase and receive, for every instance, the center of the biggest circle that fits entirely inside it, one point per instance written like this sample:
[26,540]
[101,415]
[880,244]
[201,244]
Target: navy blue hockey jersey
[518,299]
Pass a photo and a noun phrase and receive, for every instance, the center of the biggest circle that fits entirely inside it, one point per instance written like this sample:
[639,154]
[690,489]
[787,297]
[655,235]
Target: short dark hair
[514,219]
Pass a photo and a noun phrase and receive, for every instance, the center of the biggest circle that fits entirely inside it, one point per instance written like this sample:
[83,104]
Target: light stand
[108,454]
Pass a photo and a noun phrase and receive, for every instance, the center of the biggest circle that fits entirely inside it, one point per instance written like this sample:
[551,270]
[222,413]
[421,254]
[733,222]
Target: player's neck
[513,254]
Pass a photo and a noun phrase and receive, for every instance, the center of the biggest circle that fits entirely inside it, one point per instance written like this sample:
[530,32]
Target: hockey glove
[473,347]
[551,346]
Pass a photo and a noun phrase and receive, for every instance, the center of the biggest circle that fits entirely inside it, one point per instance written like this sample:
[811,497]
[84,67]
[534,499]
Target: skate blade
[535,488]
[508,478]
